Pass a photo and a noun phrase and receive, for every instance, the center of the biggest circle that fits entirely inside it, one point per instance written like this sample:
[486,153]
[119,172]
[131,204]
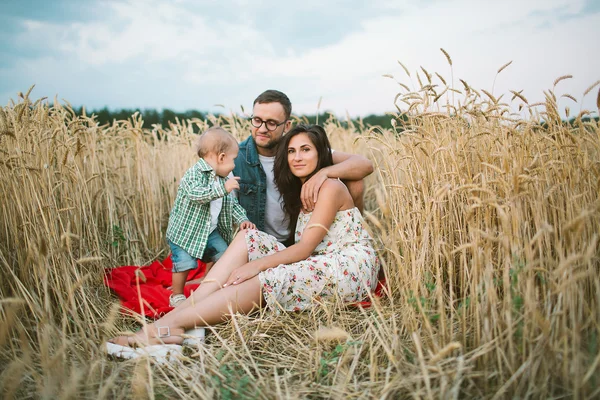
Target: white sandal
[160,353]
[194,337]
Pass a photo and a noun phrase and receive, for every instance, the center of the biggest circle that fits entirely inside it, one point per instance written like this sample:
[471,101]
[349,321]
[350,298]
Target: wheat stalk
[562,78]
[485,222]
[404,68]
[502,68]
[447,56]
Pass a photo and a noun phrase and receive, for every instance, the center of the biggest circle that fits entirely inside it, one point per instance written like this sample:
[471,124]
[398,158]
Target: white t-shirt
[276,221]
[215,209]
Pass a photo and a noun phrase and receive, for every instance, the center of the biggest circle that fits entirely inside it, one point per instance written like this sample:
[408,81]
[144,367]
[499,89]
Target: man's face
[267,141]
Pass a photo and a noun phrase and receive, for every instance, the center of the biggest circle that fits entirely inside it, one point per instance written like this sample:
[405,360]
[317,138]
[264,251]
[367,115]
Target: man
[258,194]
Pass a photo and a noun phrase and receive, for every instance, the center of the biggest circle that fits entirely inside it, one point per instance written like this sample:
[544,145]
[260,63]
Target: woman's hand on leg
[243,273]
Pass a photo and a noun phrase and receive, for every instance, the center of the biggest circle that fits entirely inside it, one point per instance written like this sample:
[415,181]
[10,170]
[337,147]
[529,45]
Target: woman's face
[302,156]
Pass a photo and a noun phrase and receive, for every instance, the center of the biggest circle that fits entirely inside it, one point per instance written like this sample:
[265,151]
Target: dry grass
[487,224]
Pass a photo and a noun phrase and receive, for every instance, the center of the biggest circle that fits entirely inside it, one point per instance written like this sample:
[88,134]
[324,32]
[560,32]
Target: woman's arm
[348,167]
[335,197]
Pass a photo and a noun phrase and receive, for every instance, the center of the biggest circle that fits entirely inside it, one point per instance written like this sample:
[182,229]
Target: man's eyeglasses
[269,124]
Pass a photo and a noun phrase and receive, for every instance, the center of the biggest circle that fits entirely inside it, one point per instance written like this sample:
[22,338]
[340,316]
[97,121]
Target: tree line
[164,117]
[153,117]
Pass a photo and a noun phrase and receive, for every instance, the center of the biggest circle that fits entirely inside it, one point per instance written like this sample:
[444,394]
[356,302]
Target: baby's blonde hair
[214,140]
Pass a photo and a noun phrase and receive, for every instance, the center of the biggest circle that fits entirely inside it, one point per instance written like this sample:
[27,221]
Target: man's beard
[273,143]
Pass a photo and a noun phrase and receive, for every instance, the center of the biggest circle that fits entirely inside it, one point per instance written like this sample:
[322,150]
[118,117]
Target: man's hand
[310,190]
[243,273]
[247,225]
[232,184]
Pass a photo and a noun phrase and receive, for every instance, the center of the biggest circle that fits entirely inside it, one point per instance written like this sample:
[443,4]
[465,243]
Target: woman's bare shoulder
[334,185]
[335,194]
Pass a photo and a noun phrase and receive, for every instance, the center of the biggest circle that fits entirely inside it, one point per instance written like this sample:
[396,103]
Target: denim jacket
[252,194]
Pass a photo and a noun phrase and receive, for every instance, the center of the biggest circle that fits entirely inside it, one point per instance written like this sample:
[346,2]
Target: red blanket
[144,289]
[378,292]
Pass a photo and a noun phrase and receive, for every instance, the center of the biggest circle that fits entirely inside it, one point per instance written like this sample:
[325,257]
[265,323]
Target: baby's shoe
[174,301]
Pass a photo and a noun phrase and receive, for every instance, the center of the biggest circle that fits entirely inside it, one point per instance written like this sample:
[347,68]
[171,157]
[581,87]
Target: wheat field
[486,221]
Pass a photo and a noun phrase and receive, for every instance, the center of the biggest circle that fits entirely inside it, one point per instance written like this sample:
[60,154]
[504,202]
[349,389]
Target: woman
[332,256]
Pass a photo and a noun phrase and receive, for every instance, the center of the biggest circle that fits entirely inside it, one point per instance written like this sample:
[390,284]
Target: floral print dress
[343,266]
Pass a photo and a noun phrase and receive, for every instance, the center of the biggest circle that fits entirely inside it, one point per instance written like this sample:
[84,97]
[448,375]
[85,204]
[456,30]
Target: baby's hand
[247,225]
[232,184]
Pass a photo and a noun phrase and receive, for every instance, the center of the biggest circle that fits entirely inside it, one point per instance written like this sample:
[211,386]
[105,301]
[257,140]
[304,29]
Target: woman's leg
[214,309]
[235,256]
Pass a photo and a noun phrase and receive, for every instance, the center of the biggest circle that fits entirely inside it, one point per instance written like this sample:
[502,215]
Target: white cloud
[196,50]
[148,31]
[479,42]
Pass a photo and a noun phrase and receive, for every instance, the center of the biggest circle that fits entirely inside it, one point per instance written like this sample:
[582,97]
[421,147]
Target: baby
[202,218]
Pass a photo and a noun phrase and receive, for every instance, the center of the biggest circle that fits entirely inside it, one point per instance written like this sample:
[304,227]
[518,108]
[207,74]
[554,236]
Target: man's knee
[357,191]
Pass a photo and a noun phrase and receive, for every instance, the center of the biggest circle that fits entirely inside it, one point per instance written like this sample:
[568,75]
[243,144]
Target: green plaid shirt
[189,222]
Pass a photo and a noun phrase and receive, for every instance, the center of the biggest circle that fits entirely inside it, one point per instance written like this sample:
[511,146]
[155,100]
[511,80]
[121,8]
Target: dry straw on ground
[486,222]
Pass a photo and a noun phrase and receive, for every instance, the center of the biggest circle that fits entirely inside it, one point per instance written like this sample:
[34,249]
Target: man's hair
[275,96]
[214,140]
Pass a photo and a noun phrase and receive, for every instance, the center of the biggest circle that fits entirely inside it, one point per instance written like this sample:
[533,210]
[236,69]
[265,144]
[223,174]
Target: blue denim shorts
[183,261]
[215,247]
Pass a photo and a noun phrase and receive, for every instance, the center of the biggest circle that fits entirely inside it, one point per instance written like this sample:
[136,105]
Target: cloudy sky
[188,54]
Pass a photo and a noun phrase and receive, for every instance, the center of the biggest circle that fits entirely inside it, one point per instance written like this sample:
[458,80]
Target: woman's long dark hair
[288,184]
